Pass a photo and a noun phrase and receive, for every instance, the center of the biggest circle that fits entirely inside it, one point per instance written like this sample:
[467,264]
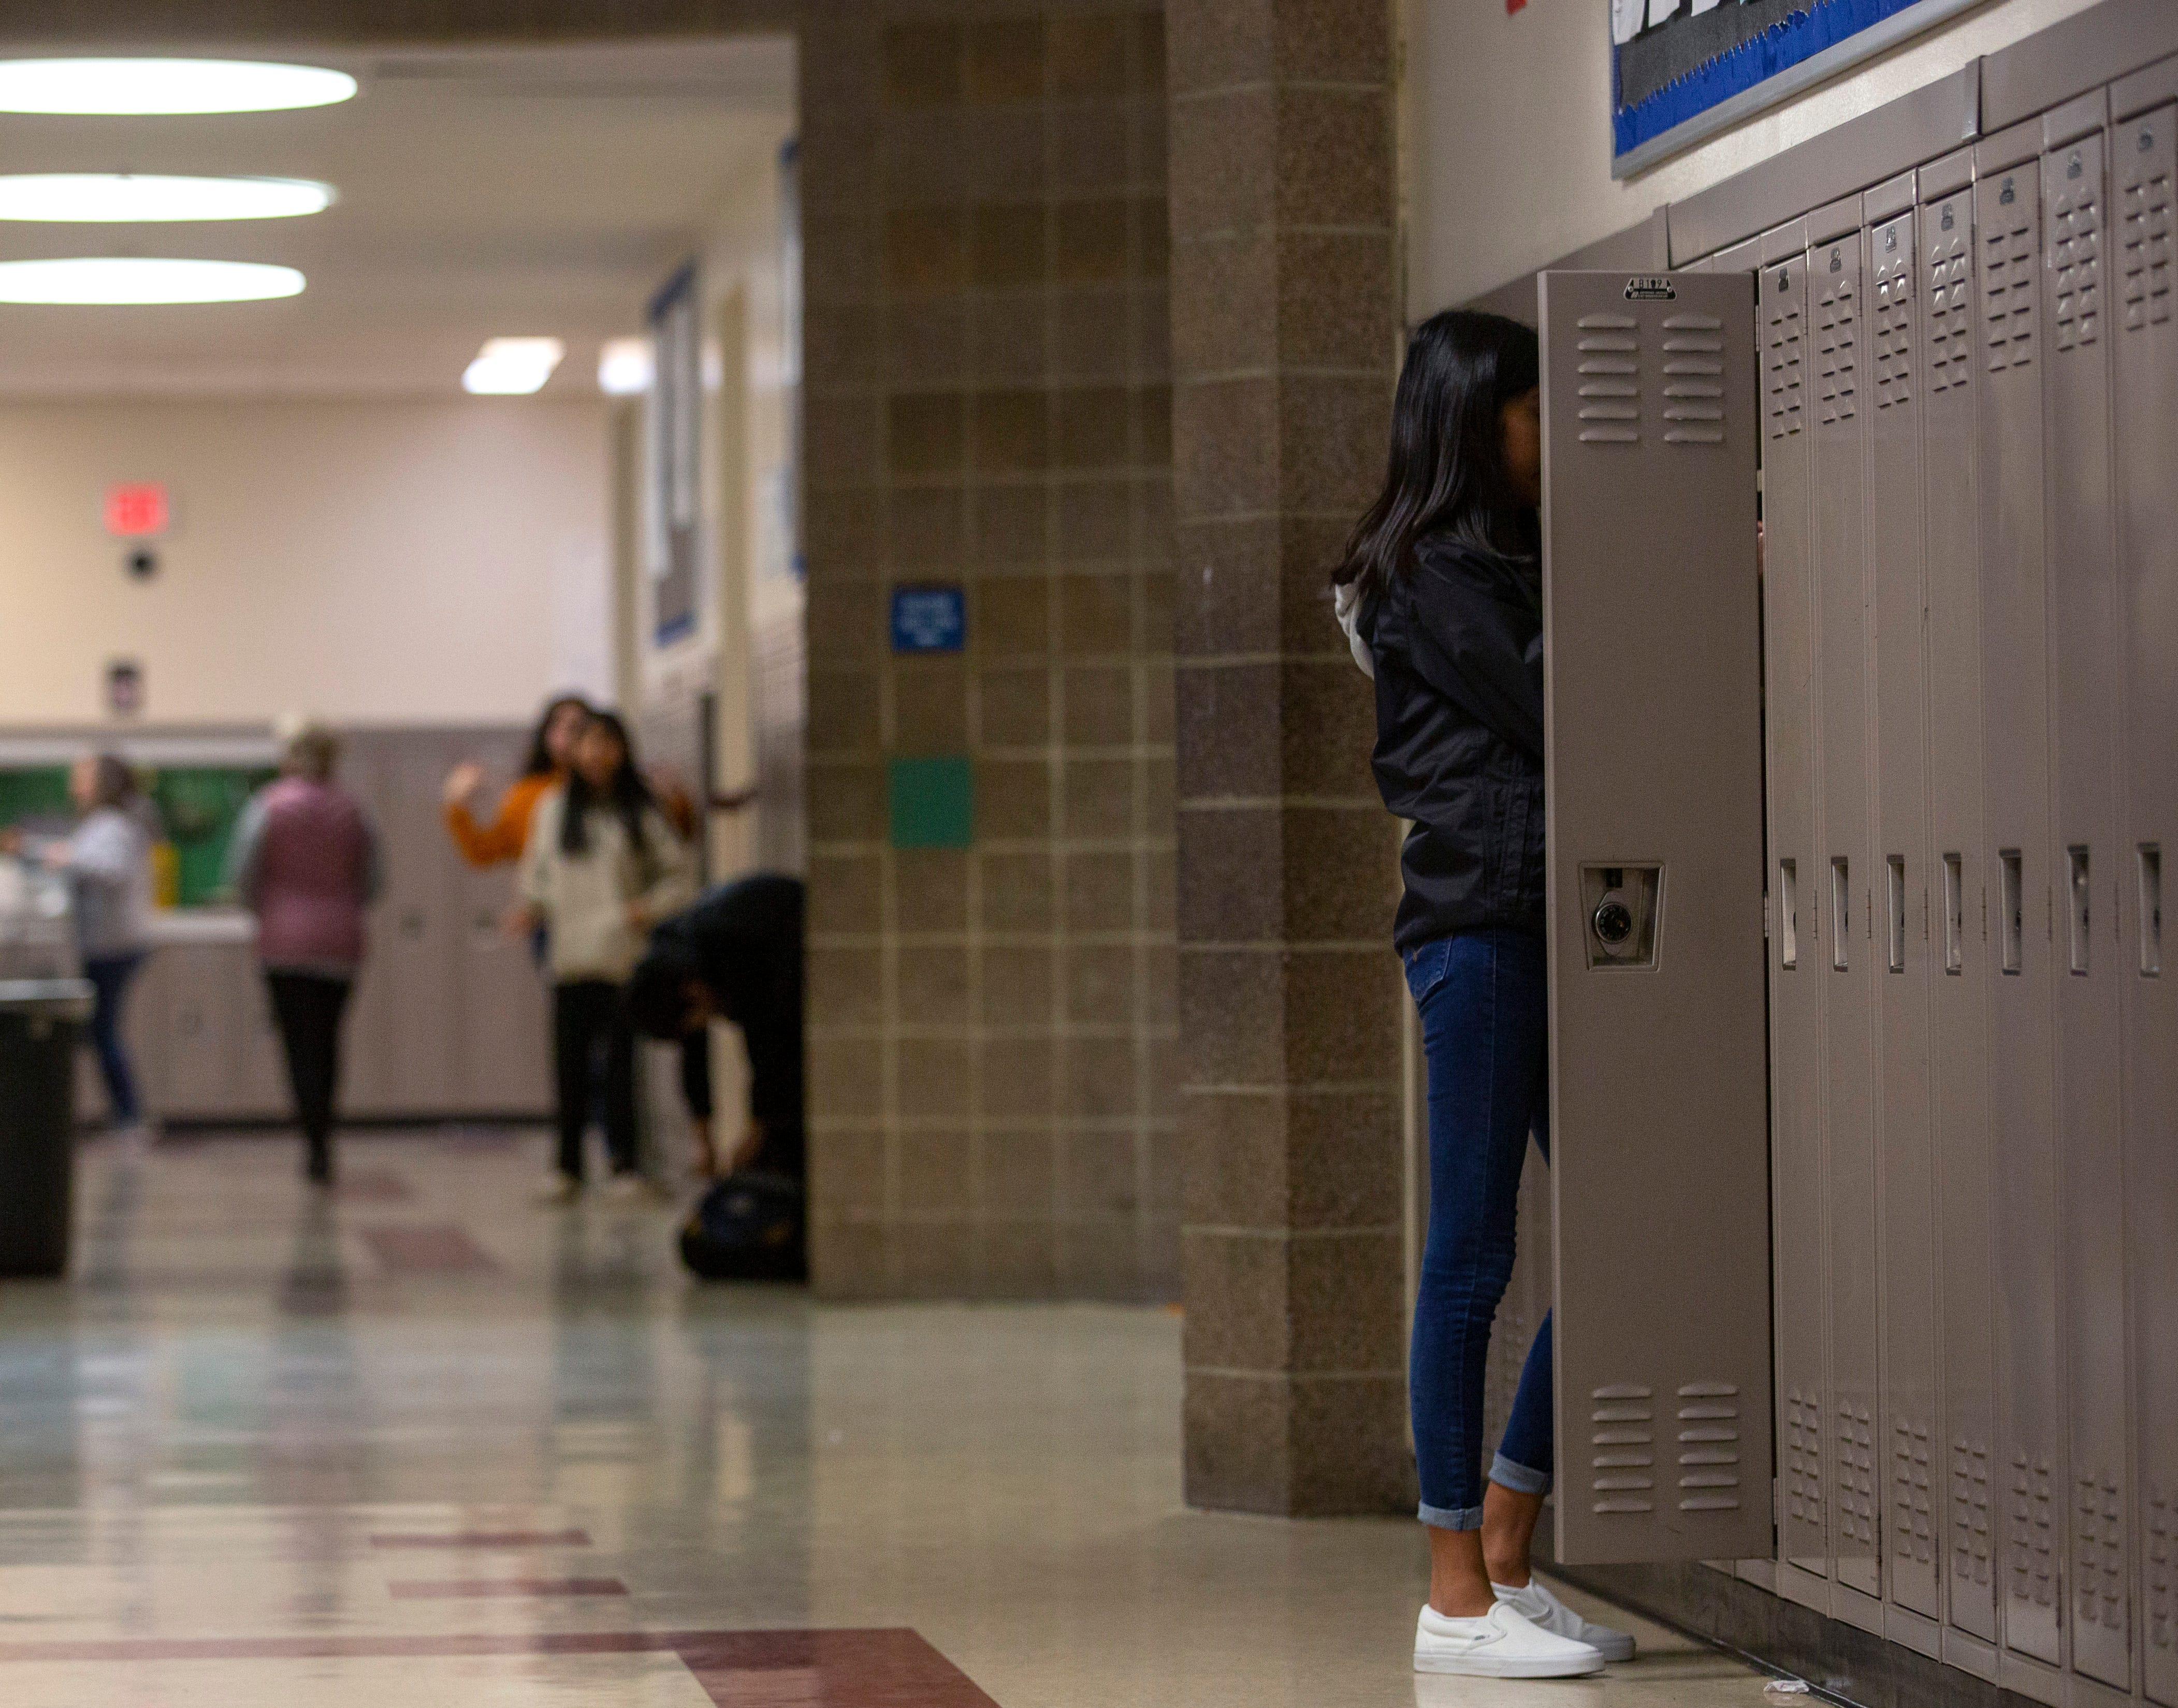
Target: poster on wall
[677,404]
[1684,69]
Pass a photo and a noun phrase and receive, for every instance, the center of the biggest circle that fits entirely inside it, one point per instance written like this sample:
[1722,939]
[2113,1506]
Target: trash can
[40,1021]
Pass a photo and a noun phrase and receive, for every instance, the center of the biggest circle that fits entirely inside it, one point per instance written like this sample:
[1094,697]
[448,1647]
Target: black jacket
[1457,644]
[746,939]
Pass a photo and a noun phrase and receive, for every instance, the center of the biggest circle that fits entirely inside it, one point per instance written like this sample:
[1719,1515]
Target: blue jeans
[1486,1036]
[109,976]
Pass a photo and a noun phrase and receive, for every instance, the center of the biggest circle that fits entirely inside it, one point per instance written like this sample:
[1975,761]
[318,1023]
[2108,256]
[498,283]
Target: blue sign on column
[929,617]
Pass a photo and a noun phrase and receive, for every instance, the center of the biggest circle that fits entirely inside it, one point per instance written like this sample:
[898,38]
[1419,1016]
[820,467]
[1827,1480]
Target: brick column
[1285,329]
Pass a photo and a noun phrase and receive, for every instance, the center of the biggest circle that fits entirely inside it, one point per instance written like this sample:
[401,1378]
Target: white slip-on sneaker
[1538,1607]
[1498,1645]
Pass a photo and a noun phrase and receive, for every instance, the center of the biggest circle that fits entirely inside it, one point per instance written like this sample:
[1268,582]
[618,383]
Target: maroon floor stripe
[478,1589]
[441,1250]
[869,1669]
[485,1539]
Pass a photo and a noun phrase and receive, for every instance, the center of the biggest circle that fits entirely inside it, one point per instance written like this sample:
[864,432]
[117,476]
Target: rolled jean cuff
[1519,1478]
[1452,1517]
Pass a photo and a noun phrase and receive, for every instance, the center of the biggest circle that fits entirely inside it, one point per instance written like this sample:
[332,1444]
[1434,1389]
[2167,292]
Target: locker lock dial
[1618,909]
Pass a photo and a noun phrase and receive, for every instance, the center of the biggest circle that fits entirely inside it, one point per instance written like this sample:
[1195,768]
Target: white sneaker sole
[1613,1650]
[1483,1664]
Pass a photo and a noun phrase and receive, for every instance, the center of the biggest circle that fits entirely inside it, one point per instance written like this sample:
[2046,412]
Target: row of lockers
[448,1017]
[1970,380]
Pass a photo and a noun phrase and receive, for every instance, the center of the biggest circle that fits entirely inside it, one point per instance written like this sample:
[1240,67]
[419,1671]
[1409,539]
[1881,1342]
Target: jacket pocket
[1426,964]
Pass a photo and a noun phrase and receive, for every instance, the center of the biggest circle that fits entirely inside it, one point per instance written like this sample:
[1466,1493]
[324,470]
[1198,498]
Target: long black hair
[628,795]
[1448,461]
[539,762]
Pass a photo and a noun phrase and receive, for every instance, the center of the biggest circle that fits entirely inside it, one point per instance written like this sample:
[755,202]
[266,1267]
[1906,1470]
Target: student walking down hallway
[601,867]
[304,860]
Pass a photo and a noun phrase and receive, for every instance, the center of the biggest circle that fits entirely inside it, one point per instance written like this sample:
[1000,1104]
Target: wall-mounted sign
[136,510]
[676,402]
[929,618]
[1684,69]
[125,688]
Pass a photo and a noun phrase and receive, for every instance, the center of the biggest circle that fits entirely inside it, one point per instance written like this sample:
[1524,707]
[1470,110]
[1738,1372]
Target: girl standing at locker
[602,867]
[1440,598]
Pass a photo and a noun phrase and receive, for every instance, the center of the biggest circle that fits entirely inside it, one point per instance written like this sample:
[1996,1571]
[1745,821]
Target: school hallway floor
[426,1443]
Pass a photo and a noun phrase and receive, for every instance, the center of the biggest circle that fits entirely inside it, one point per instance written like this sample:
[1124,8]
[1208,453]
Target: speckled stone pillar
[1285,331]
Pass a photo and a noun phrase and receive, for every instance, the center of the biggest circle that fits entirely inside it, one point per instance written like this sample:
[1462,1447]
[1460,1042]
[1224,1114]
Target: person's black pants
[588,1016]
[308,1006]
[695,1072]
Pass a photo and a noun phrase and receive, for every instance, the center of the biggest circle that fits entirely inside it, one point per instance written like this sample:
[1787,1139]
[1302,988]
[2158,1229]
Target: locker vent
[2098,1542]
[1610,406]
[2033,1529]
[2007,283]
[2145,226]
[2162,1572]
[1694,379]
[2076,258]
[1855,1478]
[1913,1502]
[1781,373]
[1622,1478]
[1803,1457]
[1894,318]
[1708,1447]
[1950,322]
[1970,1522]
[1836,336]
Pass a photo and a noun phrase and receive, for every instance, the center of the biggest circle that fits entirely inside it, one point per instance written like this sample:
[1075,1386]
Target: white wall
[1507,126]
[373,562]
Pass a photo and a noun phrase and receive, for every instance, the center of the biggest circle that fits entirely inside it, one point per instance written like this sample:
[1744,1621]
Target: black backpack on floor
[746,1227]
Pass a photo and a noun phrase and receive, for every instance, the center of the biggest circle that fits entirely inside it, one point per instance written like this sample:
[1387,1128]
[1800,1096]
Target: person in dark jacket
[1440,595]
[736,955]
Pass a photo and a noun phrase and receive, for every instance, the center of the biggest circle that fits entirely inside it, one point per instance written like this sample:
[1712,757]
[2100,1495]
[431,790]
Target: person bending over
[737,956]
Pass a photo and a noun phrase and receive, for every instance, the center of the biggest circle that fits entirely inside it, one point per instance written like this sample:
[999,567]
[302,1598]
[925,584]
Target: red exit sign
[135,509]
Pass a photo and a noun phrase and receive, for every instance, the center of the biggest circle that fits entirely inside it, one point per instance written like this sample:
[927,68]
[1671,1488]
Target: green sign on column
[932,801]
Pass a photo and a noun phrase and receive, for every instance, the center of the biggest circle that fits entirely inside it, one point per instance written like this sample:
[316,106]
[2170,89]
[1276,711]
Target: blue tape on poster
[929,618]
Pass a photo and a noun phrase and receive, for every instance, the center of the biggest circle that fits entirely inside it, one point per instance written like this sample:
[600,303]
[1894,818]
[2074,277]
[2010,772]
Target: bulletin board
[1684,69]
[197,809]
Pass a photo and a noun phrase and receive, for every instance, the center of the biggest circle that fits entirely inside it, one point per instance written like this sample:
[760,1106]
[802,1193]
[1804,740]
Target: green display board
[198,806]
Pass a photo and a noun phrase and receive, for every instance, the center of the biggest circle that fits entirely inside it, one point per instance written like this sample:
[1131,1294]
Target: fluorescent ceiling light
[512,367]
[127,197]
[166,85]
[140,279]
[624,367]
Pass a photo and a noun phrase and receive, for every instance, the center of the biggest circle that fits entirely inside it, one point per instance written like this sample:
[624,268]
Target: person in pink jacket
[305,859]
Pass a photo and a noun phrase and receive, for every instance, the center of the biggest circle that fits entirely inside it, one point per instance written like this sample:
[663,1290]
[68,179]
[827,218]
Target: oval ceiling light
[512,367]
[142,278]
[154,86]
[130,197]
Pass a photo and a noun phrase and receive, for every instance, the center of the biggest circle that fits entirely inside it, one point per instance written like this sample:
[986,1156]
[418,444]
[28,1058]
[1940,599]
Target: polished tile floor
[423,1444]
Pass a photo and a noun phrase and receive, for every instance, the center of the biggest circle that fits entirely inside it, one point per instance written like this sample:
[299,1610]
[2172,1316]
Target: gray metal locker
[2084,746]
[201,1022]
[2145,337]
[1951,343]
[1659,1164]
[1901,920]
[504,1066]
[1839,483]
[416,941]
[258,1087]
[1796,910]
[2016,896]
[368,1083]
